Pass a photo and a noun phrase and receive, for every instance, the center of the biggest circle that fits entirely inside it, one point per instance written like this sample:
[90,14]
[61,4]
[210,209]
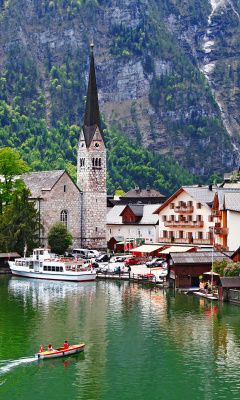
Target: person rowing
[50,347]
[65,344]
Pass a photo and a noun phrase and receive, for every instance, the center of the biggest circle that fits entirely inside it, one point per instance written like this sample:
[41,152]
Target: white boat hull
[79,277]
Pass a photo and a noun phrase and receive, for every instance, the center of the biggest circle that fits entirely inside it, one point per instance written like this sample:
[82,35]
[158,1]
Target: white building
[226,210]
[133,221]
[186,216]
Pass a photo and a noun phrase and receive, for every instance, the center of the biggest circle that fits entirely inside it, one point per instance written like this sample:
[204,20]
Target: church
[82,207]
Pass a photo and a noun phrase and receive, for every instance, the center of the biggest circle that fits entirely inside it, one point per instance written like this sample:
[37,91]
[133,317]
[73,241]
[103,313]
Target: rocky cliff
[168,73]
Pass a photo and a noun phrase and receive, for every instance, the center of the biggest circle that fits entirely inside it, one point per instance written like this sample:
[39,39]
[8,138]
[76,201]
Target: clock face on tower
[96,145]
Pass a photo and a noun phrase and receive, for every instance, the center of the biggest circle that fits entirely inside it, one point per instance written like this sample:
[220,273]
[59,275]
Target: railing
[203,241]
[216,213]
[221,231]
[219,247]
[184,223]
[186,240]
[183,209]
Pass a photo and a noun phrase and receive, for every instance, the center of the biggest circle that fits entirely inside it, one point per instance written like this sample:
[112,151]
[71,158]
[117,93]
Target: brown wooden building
[185,268]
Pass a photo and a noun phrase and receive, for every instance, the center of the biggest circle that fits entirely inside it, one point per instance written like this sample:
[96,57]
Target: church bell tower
[91,170]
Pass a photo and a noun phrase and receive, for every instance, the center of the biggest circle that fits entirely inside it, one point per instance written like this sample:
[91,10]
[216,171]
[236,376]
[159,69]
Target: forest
[42,100]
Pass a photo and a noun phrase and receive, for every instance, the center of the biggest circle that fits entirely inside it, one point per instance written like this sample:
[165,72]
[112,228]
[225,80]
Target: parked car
[155,262]
[94,264]
[69,255]
[92,253]
[131,261]
[81,253]
[103,258]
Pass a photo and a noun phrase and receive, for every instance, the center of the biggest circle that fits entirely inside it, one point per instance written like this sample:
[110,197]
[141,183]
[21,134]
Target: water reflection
[139,340]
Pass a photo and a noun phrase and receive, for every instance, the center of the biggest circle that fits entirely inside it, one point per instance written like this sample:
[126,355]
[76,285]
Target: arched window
[64,217]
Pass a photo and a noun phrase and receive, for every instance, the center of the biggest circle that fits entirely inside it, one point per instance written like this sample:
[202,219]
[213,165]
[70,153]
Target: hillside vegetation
[163,124]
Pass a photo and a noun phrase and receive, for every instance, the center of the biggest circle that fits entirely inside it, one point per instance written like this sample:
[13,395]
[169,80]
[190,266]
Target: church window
[64,188]
[96,229]
[82,162]
[64,217]
[96,162]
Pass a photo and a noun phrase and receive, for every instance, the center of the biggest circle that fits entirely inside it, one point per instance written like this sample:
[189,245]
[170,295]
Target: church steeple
[92,115]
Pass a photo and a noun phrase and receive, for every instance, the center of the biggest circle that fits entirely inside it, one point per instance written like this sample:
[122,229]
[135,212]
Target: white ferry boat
[44,265]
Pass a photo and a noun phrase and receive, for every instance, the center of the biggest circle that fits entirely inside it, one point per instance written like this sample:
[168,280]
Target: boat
[61,351]
[43,264]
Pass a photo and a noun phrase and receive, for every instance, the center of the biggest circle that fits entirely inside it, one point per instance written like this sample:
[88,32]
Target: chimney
[199,184]
[210,187]
[148,188]
[136,188]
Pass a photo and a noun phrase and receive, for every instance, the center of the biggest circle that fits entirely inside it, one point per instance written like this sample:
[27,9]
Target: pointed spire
[92,114]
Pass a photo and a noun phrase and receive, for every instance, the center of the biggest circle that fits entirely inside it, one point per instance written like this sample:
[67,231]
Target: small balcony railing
[184,209]
[221,231]
[203,241]
[184,223]
[216,213]
[219,247]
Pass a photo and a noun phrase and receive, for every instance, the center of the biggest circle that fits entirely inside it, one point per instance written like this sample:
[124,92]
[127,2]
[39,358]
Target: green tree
[10,167]
[59,239]
[20,224]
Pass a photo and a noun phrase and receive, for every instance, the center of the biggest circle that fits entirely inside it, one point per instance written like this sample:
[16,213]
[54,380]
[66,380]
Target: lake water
[141,343]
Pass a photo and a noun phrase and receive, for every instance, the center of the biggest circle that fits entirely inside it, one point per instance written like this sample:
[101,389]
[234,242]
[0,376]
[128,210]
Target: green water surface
[141,343]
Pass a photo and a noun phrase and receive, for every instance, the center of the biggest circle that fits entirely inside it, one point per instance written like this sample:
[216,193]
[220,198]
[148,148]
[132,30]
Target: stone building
[82,207]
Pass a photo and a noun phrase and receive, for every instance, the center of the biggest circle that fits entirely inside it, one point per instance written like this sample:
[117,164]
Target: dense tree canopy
[20,224]
[59,239]
[10,167]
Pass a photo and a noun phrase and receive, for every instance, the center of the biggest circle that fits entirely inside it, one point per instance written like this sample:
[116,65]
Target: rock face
[185,121]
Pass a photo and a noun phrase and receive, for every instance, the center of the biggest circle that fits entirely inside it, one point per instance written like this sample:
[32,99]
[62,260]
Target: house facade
[133,221]
[226,212]
[186,216]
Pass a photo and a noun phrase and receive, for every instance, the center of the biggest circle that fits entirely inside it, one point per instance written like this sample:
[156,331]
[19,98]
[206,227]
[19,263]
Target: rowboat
[61,351]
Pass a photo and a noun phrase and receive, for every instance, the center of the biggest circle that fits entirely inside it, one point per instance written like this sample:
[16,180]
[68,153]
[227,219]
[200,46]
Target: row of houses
[199,215]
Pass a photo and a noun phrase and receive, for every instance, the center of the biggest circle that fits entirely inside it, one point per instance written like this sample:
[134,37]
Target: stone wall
[57,200]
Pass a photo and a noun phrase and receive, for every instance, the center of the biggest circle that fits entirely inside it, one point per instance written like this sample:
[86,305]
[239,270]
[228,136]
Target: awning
[176,249]
[146,248]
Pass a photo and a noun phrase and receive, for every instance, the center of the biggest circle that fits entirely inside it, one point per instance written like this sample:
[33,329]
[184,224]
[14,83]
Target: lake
[141,343]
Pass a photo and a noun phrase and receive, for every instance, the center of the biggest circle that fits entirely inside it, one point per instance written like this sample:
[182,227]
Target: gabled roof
[43,180]
[198,257]
[92,119]
[203,195]
[229,199]
[230,281]
[137,209]
[142,193]
[148,217]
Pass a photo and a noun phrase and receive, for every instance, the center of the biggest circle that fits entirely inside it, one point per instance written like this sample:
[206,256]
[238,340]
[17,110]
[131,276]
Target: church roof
[43,180]
[92,115]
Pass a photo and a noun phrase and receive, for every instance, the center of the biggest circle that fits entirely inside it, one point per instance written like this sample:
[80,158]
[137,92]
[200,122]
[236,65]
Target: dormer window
[64,188]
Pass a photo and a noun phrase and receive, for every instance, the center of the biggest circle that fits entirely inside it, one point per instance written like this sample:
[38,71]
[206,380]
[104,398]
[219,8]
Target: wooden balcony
[183,209]
[219,247]
[203,241]
[216,213]
[185,223]
[221,231]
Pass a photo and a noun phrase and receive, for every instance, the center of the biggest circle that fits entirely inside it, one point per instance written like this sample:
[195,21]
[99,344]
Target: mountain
[168,75]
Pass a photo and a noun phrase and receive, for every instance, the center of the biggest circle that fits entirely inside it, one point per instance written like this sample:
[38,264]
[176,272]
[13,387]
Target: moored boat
[61,351]
[44,265]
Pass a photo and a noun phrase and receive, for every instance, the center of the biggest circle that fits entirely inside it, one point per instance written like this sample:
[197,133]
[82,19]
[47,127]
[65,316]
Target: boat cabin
[41,254]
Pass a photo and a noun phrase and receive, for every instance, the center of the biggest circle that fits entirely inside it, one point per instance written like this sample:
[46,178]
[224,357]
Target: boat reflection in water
[47,292]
